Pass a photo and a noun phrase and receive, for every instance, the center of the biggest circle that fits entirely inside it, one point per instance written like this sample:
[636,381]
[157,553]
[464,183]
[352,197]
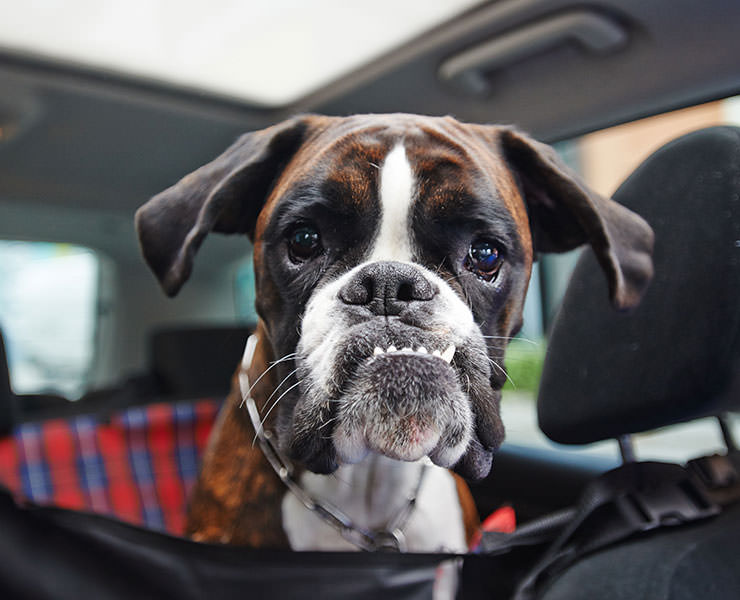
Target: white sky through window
[268,52]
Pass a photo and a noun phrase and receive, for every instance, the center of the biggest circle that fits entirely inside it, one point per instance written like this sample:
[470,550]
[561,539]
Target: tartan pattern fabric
[138,465]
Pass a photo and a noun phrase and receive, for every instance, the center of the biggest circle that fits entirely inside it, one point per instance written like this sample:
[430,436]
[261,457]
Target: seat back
[677,356]
[137,464]
[193,362]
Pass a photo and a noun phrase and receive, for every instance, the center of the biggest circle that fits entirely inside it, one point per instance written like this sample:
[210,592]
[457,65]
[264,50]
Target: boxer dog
[392,255]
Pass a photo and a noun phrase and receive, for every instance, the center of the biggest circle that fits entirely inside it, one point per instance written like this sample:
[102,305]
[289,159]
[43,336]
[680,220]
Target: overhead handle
[471,70]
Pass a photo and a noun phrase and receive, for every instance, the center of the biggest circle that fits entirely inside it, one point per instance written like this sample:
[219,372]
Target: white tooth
[391,348]
[421,350]
[377,350]
[437,353]
[406,349]
[449,353]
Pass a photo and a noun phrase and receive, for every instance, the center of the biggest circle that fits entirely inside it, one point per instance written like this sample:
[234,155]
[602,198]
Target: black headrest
[197,361]
[677,356]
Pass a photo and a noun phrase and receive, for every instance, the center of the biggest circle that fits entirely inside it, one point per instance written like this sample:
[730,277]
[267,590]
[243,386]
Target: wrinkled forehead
[448,163]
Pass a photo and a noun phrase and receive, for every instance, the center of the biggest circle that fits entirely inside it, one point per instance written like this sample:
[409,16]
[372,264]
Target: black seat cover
[693,562]
[57,554]
[677,356]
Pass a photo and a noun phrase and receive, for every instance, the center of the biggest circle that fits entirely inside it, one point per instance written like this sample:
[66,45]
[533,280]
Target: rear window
[48,308]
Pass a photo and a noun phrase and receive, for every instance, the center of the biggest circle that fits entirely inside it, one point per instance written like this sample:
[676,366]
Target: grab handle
[471,69]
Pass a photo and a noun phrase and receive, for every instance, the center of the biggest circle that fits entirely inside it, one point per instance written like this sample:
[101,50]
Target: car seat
[14,407]
[196,361]
[654,530]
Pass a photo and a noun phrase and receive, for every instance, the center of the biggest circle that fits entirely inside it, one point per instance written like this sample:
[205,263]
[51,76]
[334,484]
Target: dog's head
[392,256]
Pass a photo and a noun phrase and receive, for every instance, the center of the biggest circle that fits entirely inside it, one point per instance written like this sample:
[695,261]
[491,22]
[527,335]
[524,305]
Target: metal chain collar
[390,538]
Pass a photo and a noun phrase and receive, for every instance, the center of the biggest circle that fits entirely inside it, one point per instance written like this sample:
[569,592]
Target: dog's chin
[405,405]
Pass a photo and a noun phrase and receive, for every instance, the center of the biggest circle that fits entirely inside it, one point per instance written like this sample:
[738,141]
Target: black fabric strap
[532,533]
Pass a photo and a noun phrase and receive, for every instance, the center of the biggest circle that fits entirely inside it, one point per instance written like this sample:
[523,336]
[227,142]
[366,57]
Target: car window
[244,294]
[48,308]
[604,159]
[186,48]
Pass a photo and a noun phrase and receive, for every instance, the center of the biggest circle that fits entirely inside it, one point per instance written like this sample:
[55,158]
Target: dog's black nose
[387,288]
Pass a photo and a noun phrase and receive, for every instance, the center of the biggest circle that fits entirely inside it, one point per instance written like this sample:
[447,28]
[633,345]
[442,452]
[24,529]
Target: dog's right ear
[225,195]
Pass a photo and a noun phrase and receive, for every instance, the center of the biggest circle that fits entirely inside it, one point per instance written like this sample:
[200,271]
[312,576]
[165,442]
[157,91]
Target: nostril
[405,292]
[359,291]
[368,285]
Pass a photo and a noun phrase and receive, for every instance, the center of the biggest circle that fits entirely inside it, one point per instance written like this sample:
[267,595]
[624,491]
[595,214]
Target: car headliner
[81,149]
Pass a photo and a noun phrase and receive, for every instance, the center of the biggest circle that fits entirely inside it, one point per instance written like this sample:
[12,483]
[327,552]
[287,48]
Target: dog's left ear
[225,195]
[565,213]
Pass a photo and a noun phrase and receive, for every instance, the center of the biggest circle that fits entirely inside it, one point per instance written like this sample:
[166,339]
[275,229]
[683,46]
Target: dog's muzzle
[390,361]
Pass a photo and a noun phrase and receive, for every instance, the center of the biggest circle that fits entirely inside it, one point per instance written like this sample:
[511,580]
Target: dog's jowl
[392,255]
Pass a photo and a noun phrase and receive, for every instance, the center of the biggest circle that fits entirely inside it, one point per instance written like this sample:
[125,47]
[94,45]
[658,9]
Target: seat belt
[631,499]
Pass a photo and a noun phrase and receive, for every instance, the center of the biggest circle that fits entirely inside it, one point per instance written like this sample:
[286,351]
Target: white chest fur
[371,493]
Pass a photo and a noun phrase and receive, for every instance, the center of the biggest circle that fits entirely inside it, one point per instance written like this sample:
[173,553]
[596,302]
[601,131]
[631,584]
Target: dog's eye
[484,259]
[304,243]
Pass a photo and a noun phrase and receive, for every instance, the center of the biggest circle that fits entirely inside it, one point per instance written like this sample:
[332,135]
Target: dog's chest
[373,492]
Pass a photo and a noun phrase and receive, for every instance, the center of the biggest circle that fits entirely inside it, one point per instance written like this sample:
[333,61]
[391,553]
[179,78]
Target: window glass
[604,159]
[244,294]
[206,49]
[48,308]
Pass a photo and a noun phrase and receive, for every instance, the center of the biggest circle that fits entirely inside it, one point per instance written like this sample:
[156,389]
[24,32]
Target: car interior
[620,464]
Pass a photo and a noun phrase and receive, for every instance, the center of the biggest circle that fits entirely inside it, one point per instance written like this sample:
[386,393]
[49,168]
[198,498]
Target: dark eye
[304,243]
[484,259]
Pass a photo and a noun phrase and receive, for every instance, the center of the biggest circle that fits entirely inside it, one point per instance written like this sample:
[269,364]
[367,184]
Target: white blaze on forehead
[396,195]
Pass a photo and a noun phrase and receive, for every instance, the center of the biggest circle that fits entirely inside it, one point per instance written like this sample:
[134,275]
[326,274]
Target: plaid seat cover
[137,465]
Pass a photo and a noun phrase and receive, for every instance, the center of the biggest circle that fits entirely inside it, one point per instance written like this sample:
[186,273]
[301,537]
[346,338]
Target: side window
[604,159]
[244,294]
[48,309]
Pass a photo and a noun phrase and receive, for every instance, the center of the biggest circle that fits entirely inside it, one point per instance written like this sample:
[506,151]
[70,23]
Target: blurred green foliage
[524,359]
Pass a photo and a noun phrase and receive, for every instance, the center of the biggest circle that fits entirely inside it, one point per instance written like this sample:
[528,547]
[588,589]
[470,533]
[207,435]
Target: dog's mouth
[401,403]
[393,389]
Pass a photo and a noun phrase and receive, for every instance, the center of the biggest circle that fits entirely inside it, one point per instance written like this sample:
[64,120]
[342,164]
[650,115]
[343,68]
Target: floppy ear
[564,213]
[225,195]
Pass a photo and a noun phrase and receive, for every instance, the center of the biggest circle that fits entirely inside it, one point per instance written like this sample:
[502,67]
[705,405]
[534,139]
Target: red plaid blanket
[138,465]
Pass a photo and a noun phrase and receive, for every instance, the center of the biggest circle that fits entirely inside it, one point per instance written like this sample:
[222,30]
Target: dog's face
[392,257]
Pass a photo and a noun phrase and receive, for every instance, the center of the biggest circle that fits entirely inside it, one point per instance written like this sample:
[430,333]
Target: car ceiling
[80,149]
